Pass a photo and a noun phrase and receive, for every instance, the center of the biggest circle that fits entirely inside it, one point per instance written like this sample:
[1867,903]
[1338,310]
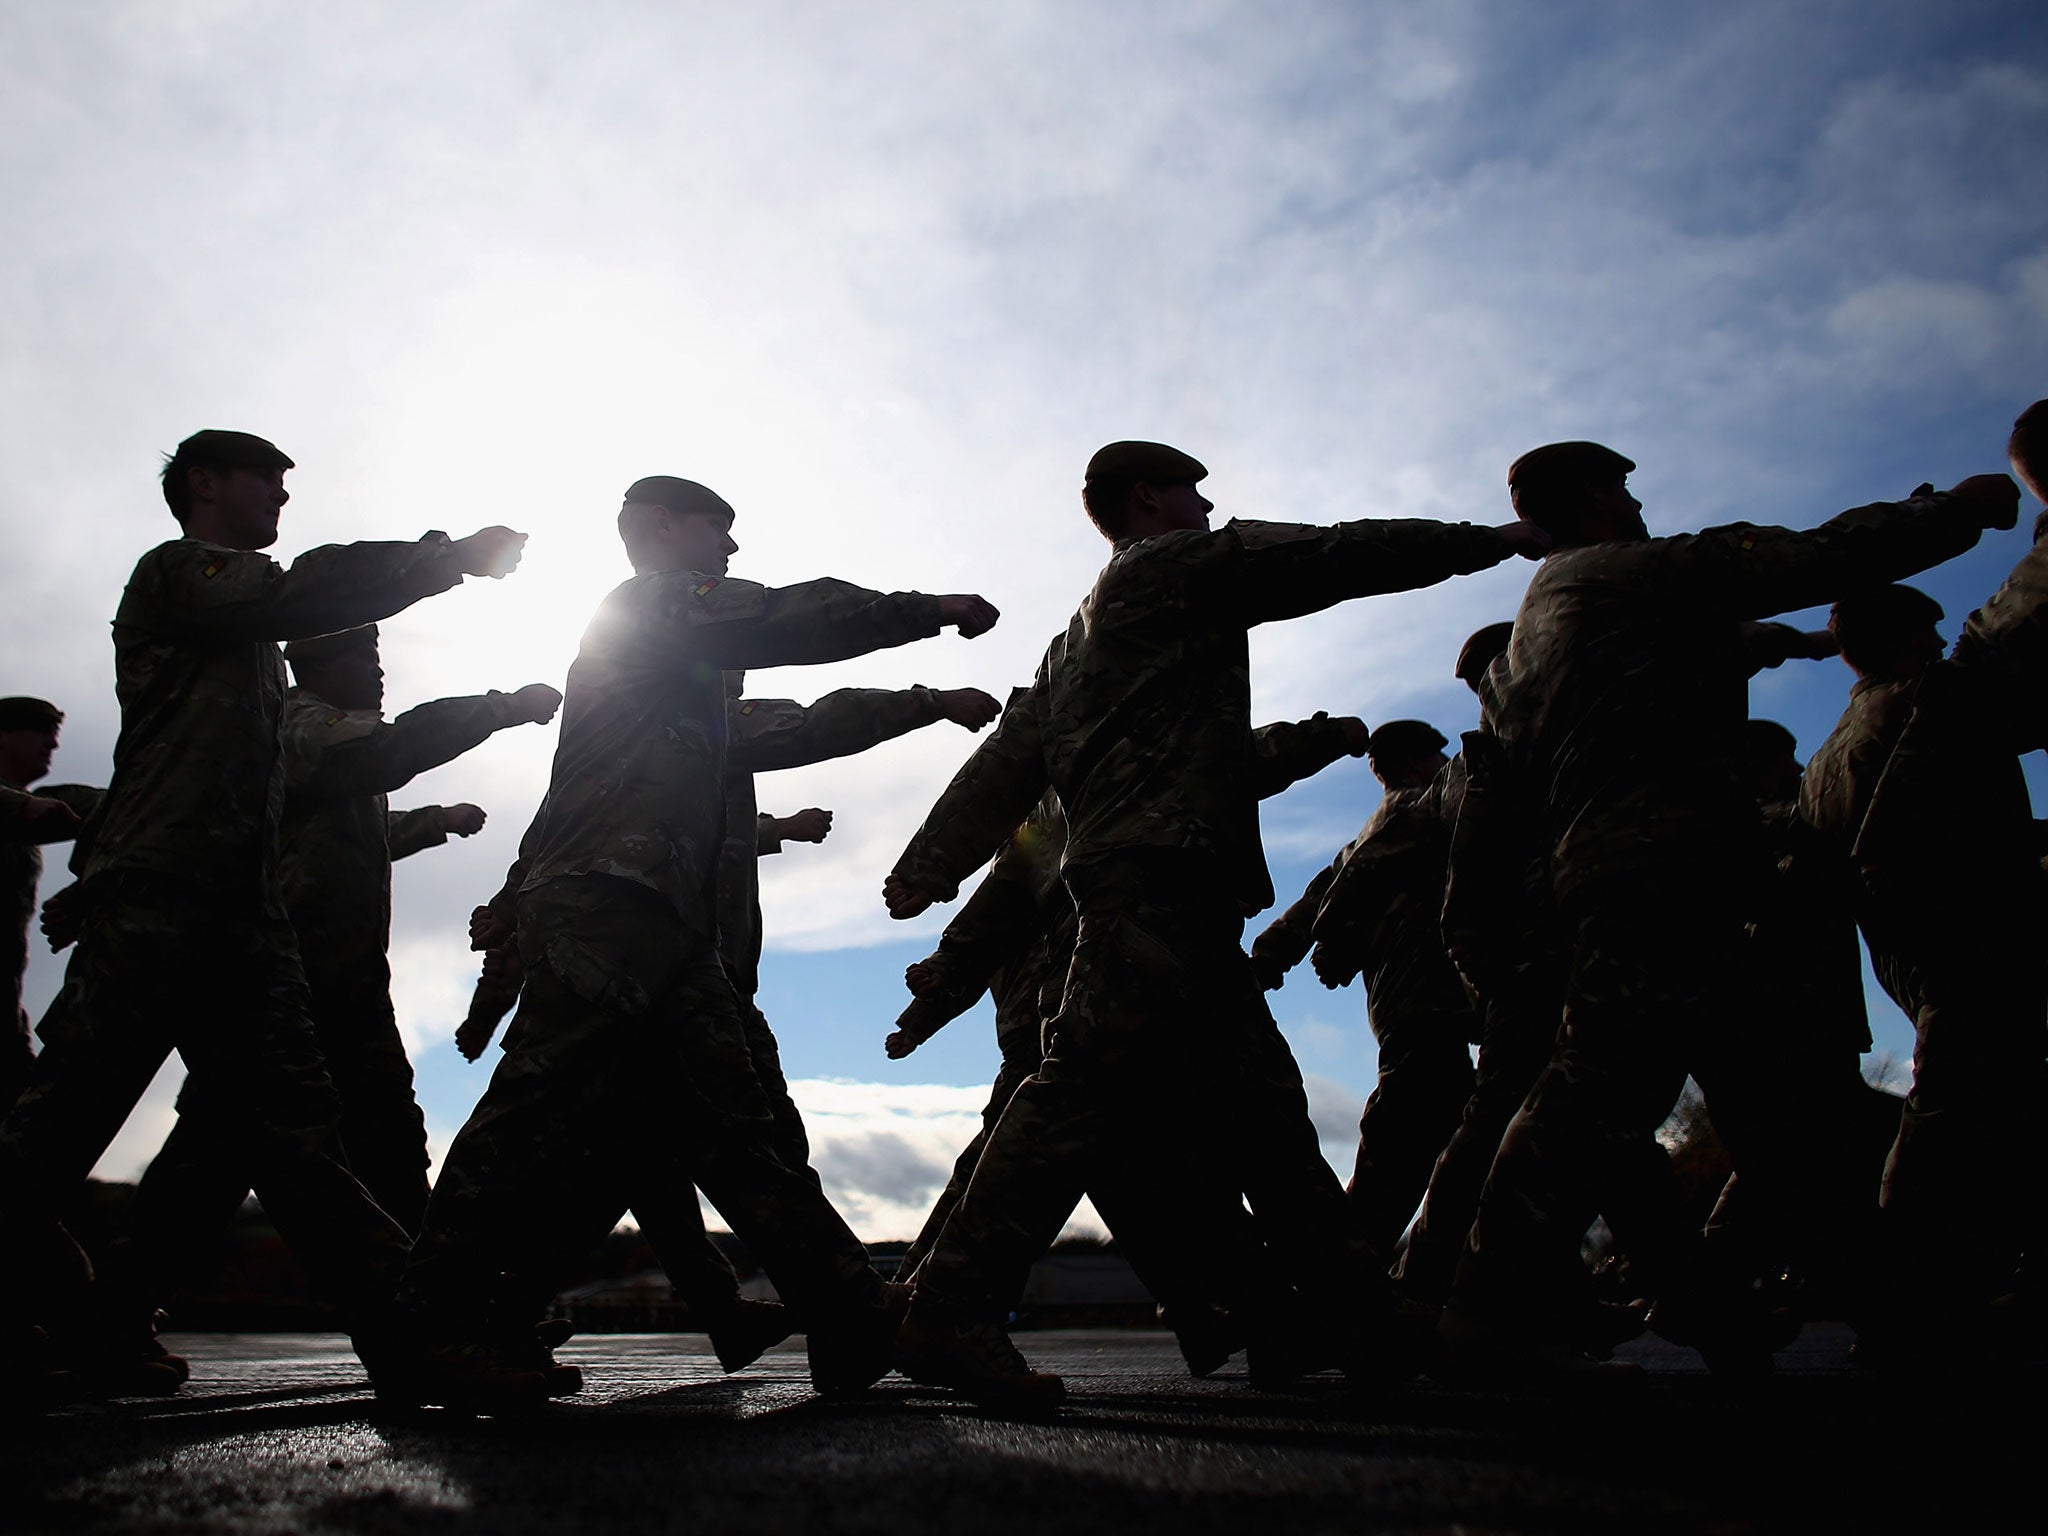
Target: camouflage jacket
[1622,696]
[339,835]
[1801,931]
[198,785]
[1015,935]
[21,868]
[1139,716]
[1379,904]
[638,786]
[2006,641]
[766,734]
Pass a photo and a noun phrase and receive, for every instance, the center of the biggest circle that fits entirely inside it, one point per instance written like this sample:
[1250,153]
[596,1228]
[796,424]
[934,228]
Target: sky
[886,276]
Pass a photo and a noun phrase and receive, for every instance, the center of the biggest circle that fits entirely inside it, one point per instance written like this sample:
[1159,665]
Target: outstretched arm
[194,588]
[988,799]
[1289,751]
[338,752]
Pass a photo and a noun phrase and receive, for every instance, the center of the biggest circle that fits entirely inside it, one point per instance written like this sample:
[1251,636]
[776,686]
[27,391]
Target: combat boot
[944,1347]
[1208,1336]
[468,1378]
[1473,1353]
[856,1349]
[748,1331]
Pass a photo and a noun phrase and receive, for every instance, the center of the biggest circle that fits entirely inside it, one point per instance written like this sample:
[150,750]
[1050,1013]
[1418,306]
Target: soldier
[1138,719]
[184,942]
[1919,789]
[1378,909]
[764,735]
[1620,701]
[29,729]
[338,840]
[629,1051]
[1014,937]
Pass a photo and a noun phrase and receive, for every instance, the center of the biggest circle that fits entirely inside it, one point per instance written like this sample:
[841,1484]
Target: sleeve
[926,1016]
[336,753]
[1287,938]
[780,733]
[2006,643]
[1766,570]
[1287,752]
[989,798]
[767,834]
[505,904]
[196,588]
[732,624]
[993,927]
[1377,867]
[411,831]
[1254,573]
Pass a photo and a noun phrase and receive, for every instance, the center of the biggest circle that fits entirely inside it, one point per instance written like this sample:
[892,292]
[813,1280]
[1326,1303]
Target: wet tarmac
[278,1433]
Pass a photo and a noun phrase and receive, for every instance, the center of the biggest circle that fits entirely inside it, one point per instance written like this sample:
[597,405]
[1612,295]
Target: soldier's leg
[262,1069]
[178,1221]
[382,1128]
[1015,1068]
[1968,1140]
[792,1142]
[1521,1028]
[1620,1065]
[1425,1080]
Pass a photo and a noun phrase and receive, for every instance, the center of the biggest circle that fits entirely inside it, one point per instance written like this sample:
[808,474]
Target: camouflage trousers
[1425,1079]
[193,1187]
[1163,1051]
[670,1216]
[157,971]
[1652,957]
[1963,1188]
[626,1070]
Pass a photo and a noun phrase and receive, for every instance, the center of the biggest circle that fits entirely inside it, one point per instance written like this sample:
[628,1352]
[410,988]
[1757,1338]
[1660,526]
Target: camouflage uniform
[338,840]
[184,942]
[627,1009]
[764,735]
[1139,720]
[1620,702]
[1379,905]
[21,869]
[1951,903]
[1014,938]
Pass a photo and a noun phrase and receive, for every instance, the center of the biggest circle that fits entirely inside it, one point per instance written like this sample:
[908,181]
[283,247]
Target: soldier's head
[342,668]
[227,488]
[1136,490]
[1406,754]
[670,524]
[1479,650]
[1577,493]
[1887,632]
[2028,450]
[1770,761]
[28,738]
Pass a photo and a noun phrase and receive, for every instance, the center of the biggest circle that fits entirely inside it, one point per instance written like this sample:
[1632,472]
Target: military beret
[1479,649]
[1405,738]
[1564,463]
[214,446]
[321,649]
[1152,463]
[680,495]
[22,713]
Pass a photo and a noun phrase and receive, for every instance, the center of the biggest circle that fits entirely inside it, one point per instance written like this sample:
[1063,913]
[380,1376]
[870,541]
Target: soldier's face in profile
[248,502]
[1613,506]
[1183,506]
[25,754]
[354,681]
[659,538]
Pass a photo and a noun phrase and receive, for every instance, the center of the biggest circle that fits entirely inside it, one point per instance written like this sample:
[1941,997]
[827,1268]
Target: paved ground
[277,1433]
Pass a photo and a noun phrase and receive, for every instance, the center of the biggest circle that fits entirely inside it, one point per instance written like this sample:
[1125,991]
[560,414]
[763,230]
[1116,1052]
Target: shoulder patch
[704,587]
[1747,542]
[213,567]
[337,717]
[747,708]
